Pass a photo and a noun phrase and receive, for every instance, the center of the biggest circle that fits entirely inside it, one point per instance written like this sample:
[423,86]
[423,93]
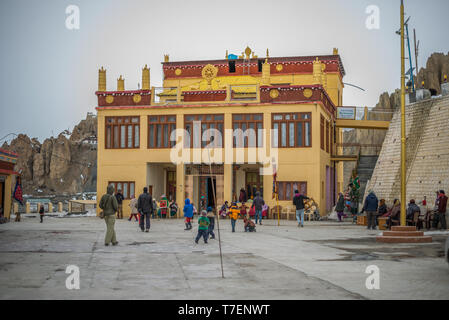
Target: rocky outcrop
[371,140]
[433,74]
[58,165]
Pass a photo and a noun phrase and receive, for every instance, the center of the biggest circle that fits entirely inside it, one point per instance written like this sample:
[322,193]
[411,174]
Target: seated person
[249,225]
[265,209]
[394,214]
[412,208]
[224,209]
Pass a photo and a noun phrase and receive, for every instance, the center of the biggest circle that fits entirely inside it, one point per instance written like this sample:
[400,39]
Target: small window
[259,65]
[231,66]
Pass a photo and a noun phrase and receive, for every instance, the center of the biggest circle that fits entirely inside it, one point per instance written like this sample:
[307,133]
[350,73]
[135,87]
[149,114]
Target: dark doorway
[231,66]
[211,183]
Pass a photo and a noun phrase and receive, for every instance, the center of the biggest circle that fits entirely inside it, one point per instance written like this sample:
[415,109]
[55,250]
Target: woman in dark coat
[340,207]
[41,213]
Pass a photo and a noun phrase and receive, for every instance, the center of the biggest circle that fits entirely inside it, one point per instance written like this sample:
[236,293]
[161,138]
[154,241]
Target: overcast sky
[49,73]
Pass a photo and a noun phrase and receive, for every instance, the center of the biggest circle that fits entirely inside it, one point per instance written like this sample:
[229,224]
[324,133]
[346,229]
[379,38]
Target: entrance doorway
[253,183]
[171,185]
[211,187]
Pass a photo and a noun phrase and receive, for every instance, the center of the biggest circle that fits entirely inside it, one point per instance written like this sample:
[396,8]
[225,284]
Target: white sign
[346,113]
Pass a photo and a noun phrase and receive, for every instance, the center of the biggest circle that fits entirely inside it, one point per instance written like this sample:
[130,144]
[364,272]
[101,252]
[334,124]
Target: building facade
[8,160]
[219,126]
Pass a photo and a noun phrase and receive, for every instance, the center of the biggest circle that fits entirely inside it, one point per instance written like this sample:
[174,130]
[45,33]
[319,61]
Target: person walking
[119,196]
[133,207]
[188,214]
[340,207]
[109,205]
[234,215]
[258,203]
[154,204]
[440,215]
[41,212]
[145,208]
[211,216]
[203,227]
[370,206]
[298,201]
[354,198]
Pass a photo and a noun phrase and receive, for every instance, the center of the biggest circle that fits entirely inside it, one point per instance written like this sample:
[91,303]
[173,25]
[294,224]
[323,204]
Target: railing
[363,113]
[247,92]
[165,95]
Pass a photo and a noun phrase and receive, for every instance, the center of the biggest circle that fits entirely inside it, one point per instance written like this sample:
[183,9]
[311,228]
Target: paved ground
[324,260]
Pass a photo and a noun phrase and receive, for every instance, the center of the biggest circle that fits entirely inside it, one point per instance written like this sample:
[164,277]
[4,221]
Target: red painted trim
[3,171]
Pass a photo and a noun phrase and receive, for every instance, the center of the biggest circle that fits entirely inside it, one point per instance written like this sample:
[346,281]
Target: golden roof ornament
[208,73]
[166,58]
[248,52]
[335,51]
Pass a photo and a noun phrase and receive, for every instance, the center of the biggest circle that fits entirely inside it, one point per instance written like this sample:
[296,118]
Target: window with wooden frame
[251,130]
[286,189]
[327,136]
[122,132]
[204,122]
[159,131]
[291,130]
[128,188]
[322,132]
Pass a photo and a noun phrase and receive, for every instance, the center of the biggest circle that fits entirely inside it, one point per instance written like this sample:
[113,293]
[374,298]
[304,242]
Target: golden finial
[166,58]
[226,54]
[248,52]
[102,79]
[146,78]
[121,84]
[268,54]
[335,51]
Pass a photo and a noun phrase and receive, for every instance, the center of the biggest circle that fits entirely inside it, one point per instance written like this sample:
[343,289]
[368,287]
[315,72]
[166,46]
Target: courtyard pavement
[323,260]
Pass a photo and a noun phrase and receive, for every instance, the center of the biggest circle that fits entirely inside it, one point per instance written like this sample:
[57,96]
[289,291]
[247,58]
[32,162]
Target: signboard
[347,113]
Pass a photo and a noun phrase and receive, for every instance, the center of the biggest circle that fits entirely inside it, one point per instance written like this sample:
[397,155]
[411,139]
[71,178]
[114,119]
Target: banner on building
[346,113]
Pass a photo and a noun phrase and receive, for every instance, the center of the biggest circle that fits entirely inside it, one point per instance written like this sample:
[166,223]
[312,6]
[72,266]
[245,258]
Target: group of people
[110,206]
[206,221]
[375,209]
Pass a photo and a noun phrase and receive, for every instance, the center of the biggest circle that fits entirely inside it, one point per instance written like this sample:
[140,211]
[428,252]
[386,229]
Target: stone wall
[427,161]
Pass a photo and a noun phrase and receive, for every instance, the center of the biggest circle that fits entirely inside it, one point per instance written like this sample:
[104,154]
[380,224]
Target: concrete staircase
[365,170]
[400,234]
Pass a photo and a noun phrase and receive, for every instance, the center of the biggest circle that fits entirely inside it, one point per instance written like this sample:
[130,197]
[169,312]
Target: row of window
[292,130]
[127,188]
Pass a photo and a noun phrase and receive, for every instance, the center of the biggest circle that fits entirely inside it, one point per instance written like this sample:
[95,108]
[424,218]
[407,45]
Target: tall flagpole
[403,133]
[218,216]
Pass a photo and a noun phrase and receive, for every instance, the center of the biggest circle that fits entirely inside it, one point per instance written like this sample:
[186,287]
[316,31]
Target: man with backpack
[109,205]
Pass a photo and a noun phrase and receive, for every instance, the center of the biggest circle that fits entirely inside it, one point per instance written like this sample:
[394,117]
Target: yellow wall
[295,164]
[8,194]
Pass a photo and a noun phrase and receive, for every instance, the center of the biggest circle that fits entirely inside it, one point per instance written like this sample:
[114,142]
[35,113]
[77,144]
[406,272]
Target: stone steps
[385,239]
[403,234]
